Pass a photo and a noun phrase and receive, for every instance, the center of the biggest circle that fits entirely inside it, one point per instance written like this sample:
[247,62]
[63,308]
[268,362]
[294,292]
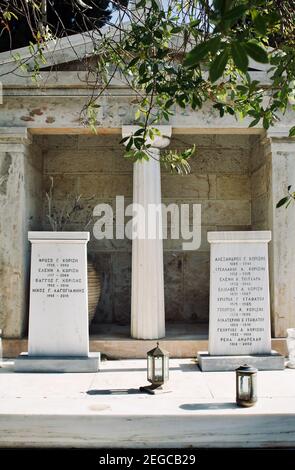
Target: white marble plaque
[239,320]
[58,321]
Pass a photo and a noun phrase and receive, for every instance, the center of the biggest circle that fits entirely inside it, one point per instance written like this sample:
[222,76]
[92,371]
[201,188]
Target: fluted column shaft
[147,291]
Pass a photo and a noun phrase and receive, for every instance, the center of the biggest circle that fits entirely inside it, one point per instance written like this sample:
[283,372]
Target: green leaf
[133,62]
[260,24]
[257,52]
[254,122]
[266,122]
[149,88]
[221,5]
[130,144]
[218,65]
[282,202]
[142,69]
[292,132]
[138,132]
[235,13]
[239,56]
[201,51]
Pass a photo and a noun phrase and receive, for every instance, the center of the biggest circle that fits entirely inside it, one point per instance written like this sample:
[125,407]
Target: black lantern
[157,370]
[246,385]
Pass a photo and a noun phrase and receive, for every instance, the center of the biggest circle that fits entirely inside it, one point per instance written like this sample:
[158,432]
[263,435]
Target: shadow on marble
[208,406]
[115,391]
[142,369]
[192,367]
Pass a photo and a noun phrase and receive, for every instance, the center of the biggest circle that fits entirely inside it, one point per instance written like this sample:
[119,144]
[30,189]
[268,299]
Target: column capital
[15,135]
[280,133]
[160,141]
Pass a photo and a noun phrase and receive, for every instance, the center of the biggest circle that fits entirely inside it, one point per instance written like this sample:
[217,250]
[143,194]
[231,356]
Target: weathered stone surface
[260,209]
[259,148]
[192,186]
[107,245]
[108,186]
[63,185]
[232,141]
[100,142]
[20,210]
[188,140]
[196,286]
[5,164]
[104,311]
[283,246]
[122,304]
[83,161]
[173,279]
[58,142]
[121,264]
[233,187]
[214,160]
[231,228]
[234,212]
[177,245]
[259,181]
[120,164]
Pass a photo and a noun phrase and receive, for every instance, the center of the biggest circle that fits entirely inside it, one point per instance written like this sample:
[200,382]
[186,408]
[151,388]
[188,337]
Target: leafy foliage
[286,200]
[184,55]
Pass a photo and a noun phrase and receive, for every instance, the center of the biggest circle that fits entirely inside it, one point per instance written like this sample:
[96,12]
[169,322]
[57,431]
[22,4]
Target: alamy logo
[149,222]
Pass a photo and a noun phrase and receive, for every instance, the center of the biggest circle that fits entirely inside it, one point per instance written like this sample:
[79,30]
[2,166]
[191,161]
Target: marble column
[282,224]
[147,292]
[20,209]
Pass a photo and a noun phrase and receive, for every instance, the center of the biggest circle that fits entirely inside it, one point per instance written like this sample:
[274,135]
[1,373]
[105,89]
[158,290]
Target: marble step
[125,348]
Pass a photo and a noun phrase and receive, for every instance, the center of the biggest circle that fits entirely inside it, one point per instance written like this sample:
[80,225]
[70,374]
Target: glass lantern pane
[244,387]
[150,367]
[254,387]
[166,368]
[158,371]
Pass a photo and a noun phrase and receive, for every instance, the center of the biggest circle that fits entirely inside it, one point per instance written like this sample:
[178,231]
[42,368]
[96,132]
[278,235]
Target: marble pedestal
[27,363]
[58,320]
[239,317]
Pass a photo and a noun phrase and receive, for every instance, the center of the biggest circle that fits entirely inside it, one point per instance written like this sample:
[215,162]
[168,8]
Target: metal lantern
[157,369]
[246,385]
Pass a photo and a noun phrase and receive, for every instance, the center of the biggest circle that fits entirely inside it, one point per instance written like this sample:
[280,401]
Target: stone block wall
[261,191]
[93,167]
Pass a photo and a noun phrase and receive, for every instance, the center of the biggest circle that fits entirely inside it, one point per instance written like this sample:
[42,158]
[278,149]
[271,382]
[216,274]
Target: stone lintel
[280,133]
[15,135]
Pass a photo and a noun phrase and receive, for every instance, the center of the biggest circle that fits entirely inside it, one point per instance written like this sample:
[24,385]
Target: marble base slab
[272,361]
[26,363]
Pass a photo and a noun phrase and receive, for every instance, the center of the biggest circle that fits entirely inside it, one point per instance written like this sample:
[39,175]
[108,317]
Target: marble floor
[105,409]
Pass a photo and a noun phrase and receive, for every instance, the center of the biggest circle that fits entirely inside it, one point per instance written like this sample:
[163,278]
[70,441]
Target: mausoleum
[238,174]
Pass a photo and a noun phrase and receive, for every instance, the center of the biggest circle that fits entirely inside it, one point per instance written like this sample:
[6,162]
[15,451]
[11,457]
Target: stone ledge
[106,409]
[124,348]
[26,363]
[272,361]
